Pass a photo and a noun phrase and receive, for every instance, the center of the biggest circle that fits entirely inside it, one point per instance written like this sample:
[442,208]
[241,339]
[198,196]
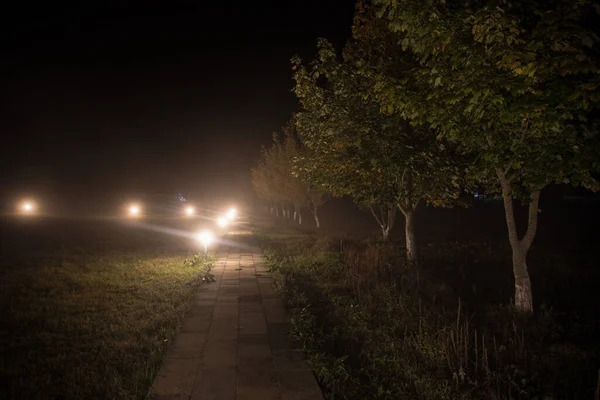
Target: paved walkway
[234,343]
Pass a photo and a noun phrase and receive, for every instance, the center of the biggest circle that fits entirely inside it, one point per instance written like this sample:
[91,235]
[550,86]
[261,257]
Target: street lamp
[206,238]
[231,213]
[189,211]
[222,222]
[134,210]
[27,207]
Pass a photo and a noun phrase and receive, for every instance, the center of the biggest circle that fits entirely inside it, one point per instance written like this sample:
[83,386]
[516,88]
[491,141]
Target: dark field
[470,249]
[88,307]
[376,328]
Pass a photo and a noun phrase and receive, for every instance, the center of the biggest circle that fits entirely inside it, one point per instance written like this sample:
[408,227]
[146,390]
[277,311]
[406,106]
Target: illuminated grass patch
[90,324]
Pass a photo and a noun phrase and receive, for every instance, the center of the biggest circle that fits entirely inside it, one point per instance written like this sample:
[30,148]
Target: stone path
[234,343]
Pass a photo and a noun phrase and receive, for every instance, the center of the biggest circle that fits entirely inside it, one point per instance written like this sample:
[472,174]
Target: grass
[89,321]
[375,328]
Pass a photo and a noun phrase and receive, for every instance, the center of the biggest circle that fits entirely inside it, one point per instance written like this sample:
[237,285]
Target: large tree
[512,83]
[379,160]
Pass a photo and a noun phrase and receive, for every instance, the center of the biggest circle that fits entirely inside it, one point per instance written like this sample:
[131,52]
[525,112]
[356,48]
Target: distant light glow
[222,222]
[190,210]
[205,237]
[27,207]
[135,210]
[231,213]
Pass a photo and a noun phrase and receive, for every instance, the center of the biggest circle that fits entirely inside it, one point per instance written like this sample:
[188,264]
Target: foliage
[203,263]
[262,181]
[355,150]
[380,160]
[274,178]
[513,82]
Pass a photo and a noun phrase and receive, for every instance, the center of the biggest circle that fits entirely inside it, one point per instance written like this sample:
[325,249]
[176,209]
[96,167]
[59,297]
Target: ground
[89,307]
[376,327]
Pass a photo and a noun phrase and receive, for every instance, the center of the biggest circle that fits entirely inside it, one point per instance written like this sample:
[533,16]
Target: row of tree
[276,182]
[433,98]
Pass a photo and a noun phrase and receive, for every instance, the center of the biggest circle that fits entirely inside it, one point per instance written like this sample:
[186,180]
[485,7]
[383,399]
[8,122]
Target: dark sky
[119,97]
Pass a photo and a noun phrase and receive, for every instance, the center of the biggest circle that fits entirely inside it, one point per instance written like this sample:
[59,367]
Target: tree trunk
[391,221]
[385,233]
[409,230]
[315,212]
[520,247]
[385,220]
[408,206]
[523,295]
[297,214]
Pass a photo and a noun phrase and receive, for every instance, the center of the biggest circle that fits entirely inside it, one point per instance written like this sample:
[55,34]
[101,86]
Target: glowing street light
[189,211]
[231,213]
[134,210]
[27,207]
[206,238]
[223,222]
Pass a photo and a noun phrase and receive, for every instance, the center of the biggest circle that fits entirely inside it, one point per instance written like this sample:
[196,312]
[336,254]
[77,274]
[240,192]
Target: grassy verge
[90,326]
[374,328]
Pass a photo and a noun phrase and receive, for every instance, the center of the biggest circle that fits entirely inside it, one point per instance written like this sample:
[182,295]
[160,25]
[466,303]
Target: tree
[275,181]
[512,83]
[262,182]
[381,161]
[304,193]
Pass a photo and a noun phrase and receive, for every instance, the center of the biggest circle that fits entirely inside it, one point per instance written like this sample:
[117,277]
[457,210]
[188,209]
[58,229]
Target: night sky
[118,98]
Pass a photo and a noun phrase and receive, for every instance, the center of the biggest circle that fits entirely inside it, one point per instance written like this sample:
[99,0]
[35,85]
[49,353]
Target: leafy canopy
[513,82]
[356,150]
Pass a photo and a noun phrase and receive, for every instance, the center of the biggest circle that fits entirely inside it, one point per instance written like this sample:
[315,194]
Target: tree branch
[376,218]
[405,209]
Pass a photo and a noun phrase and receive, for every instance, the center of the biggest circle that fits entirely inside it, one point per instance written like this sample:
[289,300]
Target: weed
[203,263]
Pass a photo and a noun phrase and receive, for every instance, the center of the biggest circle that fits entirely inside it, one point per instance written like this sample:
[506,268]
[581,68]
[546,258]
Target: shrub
[204,263]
